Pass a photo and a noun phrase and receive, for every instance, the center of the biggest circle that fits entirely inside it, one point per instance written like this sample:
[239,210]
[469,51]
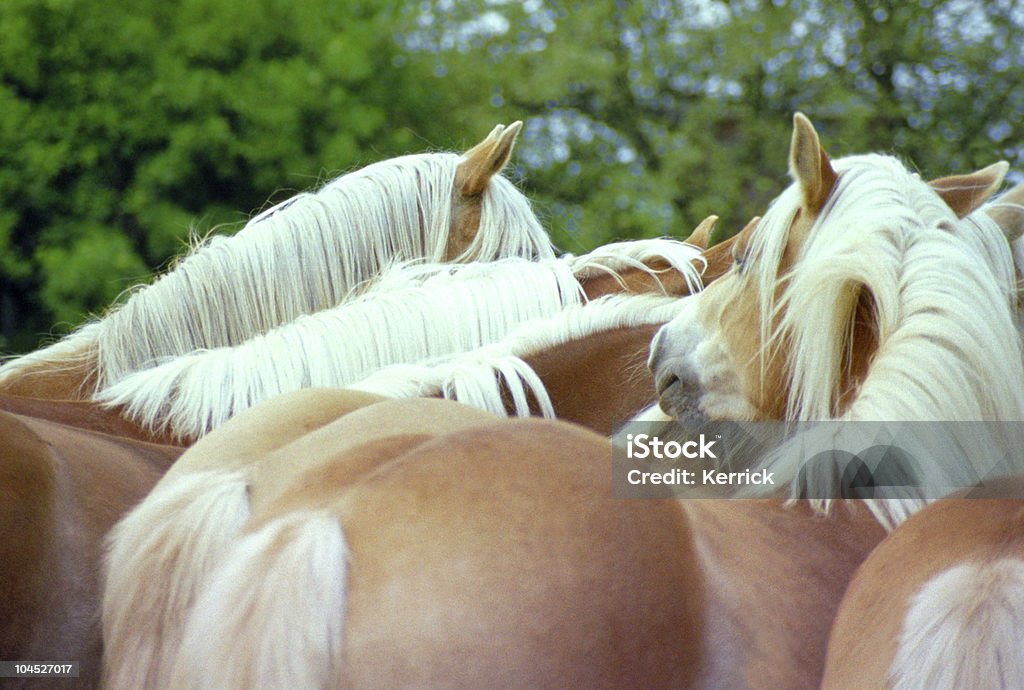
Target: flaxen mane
[940,289]
[442,310]
[407,315]
[481,377]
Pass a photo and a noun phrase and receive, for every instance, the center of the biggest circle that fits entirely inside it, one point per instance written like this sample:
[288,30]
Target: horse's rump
[489,556]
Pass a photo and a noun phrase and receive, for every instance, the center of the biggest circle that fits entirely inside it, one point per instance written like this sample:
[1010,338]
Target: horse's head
[815,288]
[472,177]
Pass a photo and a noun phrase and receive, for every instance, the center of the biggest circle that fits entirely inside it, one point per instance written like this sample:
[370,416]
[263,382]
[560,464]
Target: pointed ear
[965,193]
[1008,212]
[486,159]
[810,165]
[702,233]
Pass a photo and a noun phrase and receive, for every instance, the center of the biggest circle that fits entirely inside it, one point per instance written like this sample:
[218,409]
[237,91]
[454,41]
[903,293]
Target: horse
[409,313]
[179,494]
[841,305]
[61,489]
[436,206]
[938,603]
[315,494]
[121,455]
[422,542]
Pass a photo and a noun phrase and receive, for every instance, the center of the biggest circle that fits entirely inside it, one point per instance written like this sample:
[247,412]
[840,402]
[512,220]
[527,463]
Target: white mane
[617,256]
[482,377]
[942,289]
[302,256]
[443,310]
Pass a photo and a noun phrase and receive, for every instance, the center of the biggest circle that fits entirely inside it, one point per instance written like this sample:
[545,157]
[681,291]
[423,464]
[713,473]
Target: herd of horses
[289,461]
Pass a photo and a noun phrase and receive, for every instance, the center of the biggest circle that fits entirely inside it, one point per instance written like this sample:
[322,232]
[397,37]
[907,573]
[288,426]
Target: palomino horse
[421,542]
[75,501]
[437,206]
[863,294]
[940,602]
[632,267]
[611,354]
[604,343]
[61,490]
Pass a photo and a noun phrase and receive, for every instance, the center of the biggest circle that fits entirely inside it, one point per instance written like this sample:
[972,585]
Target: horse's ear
[702,233]
[1008,212]
[810,165]
[965,193]
[485,160]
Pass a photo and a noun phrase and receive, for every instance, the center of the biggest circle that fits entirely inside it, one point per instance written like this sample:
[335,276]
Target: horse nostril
[663,382]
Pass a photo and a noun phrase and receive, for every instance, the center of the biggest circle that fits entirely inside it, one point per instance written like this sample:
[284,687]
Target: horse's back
[536,576]
[82,414]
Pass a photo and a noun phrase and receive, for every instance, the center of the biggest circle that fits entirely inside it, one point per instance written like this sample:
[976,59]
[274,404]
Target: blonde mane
[616,257]
[300,257]
[942,291]
[443,309]
[476,378]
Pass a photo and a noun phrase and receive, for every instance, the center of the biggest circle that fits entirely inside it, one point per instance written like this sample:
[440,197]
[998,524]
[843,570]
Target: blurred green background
[127,125]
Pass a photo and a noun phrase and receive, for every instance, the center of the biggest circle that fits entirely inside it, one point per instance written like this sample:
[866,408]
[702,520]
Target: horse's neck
[598,380]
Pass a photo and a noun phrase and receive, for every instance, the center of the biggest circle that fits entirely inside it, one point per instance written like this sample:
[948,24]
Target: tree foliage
[125,125]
